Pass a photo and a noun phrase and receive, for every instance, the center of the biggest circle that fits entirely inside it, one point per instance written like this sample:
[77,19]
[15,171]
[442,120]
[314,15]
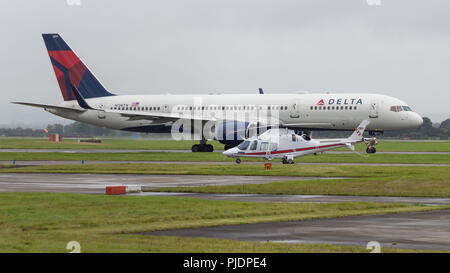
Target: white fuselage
[318,111]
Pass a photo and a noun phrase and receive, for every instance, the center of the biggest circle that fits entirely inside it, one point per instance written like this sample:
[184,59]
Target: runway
[96,183]
[92,151]
[78,162]
[303,198]
[416,230]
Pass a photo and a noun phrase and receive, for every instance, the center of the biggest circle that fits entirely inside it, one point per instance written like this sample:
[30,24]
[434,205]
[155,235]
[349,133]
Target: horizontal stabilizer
[46,106]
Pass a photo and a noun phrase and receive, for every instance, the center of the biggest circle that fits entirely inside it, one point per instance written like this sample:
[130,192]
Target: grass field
[46,222]
[218,157]
[365,180]
[43,143]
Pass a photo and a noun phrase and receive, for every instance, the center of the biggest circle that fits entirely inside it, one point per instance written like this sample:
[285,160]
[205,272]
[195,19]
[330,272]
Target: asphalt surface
[303,198]
[417,230]
[91,151]
[96,183]
[275,162]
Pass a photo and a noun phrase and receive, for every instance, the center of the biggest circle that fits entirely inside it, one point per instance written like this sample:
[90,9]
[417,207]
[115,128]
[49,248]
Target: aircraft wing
[306,124]
[47,106]
[160,116]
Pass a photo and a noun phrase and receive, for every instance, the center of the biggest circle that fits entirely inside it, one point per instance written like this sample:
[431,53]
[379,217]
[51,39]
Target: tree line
[78,129]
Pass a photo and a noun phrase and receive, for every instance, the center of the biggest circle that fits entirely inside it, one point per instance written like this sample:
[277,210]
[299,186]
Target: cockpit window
[244,145]
[406,108]
[399,108]
[254,145]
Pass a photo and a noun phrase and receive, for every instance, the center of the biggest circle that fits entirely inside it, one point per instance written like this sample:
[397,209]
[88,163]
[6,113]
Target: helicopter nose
[230,152]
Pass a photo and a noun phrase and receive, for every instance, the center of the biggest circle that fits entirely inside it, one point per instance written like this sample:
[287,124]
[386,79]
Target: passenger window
[294,138]
[273,146]
[264,146]
[254,145]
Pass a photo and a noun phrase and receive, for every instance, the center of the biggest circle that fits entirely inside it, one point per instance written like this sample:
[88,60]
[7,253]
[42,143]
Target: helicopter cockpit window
[254,145]
[264,146]
[244,145]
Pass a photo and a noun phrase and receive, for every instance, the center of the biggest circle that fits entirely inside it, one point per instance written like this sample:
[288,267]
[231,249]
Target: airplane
[285,144]
[228,118]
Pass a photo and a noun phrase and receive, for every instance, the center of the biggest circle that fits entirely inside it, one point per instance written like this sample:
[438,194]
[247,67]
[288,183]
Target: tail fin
[359,131]
[70,70]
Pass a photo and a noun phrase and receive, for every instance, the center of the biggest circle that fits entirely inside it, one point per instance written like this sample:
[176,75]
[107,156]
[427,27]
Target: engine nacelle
[231,133]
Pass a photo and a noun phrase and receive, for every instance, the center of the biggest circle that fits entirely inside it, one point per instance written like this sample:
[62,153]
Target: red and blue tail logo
[70,70]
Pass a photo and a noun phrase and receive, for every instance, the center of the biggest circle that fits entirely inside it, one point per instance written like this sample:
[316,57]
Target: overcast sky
[400,48]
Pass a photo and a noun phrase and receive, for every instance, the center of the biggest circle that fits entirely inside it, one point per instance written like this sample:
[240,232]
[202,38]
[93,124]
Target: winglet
[261,91]
[80,99]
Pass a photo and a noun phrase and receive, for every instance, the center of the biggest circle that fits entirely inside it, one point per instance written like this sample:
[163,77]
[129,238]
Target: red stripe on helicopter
[282,152]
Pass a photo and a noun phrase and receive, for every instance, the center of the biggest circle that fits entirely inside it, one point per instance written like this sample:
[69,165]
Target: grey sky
[401,48]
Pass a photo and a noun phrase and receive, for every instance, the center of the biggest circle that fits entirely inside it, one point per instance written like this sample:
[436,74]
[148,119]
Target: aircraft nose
[416,120]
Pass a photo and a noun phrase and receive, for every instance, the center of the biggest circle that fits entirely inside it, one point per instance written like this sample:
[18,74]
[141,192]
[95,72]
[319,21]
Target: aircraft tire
[195,148]
[209,148]
[238,161]
[290,161]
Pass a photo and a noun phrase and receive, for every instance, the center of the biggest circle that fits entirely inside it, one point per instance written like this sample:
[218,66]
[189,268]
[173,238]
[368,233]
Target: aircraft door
[166,108]
[295,109]
[101,113]
[373,110]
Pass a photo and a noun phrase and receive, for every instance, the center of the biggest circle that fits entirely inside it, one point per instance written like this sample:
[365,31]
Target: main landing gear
[288,160]
[238,161]
[202,147]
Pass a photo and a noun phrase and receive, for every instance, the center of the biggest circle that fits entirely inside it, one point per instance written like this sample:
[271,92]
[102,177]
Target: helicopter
[285,144]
